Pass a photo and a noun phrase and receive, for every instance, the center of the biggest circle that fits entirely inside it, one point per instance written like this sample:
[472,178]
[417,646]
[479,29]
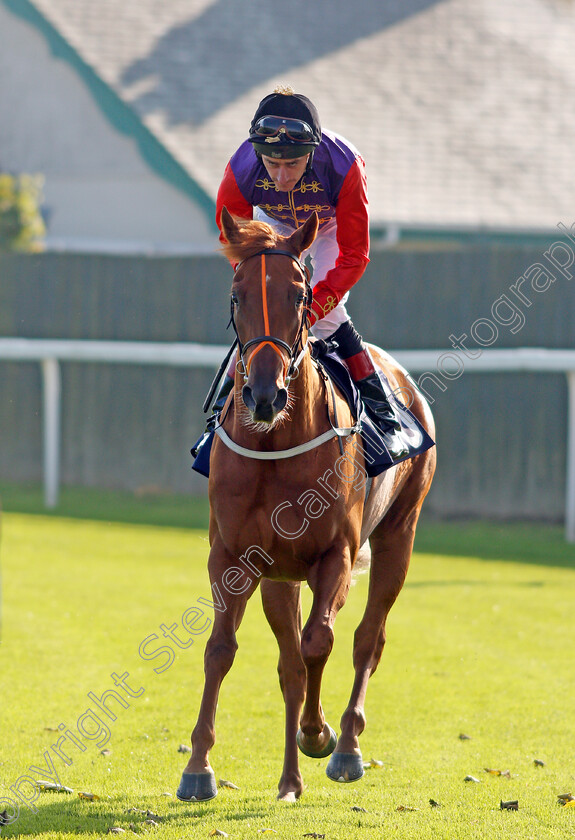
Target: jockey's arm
[230,196]
[352,220]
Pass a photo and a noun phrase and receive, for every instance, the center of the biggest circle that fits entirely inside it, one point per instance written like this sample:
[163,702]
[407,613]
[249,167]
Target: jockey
[287,168]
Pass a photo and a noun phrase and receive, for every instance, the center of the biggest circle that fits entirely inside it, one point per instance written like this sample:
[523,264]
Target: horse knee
[316,645]
[367,652]
[220,654]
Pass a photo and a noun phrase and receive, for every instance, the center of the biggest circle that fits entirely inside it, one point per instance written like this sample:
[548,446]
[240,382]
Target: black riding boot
[360,365]
[225,388]
[217,407]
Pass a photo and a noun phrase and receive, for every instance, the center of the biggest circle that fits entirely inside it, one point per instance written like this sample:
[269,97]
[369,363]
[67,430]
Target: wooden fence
[501,436]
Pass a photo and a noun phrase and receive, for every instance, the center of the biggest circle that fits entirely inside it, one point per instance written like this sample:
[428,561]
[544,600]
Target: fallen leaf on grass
[566,800]
[471,779]
[151,822]
[505,773]
[538,763]
[215,832]
[106,752]
[373,762]
[313,834]
[511,805]
[51,729]
[434,804]
[406,808]
[184,748]
[225,783]
[357,808]
[565,797]
[91,797]
[44,786]
[464,737]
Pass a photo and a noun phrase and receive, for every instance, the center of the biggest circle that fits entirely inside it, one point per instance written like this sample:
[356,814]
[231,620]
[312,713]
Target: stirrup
[393,443]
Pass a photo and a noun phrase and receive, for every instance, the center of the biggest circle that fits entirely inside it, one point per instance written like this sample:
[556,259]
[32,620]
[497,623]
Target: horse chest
[291,520]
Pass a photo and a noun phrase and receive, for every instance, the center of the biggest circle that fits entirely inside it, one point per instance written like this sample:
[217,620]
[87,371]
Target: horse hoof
[327,750]
[197,787]
[287,797]
[345,767]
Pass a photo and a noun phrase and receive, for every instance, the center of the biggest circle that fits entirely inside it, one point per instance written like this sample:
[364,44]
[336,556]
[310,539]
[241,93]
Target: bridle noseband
[277,344]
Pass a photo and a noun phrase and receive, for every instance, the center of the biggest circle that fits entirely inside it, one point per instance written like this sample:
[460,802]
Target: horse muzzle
[264,403]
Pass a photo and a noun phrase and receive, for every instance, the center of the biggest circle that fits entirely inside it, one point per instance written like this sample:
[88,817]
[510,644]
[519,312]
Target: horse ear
[230,228]
[305,235]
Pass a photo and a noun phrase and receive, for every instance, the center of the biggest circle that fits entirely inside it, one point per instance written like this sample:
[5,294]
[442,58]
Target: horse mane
[255,237]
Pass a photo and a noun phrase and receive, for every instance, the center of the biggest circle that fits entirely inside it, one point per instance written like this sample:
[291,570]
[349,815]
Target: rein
[277,344]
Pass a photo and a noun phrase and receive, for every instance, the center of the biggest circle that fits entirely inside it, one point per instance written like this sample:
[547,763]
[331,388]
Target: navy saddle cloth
[377,459]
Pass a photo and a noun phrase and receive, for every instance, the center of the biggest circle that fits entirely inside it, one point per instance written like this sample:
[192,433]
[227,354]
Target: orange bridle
[265,341]
[277,344]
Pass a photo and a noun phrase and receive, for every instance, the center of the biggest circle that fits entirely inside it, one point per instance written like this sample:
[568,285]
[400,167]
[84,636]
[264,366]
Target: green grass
[480,642]
[144,508]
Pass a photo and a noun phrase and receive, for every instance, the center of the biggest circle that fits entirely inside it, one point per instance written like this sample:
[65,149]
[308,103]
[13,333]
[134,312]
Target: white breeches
[323,253]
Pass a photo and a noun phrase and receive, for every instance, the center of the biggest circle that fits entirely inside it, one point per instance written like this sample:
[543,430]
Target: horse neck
[307,396]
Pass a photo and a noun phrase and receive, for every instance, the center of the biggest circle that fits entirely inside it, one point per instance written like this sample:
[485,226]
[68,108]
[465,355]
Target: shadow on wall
[270,40]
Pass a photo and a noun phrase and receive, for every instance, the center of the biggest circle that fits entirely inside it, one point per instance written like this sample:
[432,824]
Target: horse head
[270,299]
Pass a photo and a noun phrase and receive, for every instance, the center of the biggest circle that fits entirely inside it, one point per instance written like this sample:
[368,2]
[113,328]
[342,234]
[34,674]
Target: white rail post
[570,489]
[51,388]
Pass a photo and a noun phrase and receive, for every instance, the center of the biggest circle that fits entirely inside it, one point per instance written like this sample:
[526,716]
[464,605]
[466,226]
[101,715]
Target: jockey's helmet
[285,125]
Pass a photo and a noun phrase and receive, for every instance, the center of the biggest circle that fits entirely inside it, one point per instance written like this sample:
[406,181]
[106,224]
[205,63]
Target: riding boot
[358,361]
[225,388]
[217,407]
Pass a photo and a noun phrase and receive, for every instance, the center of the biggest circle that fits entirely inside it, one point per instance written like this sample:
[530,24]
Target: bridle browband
[277,344]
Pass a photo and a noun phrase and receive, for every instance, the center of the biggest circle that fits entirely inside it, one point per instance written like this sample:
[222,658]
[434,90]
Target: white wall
[98,190]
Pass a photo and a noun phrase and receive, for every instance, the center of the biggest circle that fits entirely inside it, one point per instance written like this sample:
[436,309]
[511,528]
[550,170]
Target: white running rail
[49,353]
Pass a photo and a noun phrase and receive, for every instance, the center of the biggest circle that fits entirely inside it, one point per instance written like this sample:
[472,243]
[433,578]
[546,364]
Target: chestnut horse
[282,512]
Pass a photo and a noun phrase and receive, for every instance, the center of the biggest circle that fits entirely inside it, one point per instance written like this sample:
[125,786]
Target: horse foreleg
[391,552]
[198,780]
[281,603]
[329,580]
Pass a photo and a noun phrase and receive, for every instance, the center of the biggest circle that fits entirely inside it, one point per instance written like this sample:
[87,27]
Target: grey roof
[462,109]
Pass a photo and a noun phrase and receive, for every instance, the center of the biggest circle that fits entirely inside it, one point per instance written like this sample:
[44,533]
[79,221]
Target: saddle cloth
[376,456]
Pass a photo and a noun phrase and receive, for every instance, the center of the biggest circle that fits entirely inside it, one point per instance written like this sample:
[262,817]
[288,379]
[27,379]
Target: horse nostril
[280,401]
[248,398]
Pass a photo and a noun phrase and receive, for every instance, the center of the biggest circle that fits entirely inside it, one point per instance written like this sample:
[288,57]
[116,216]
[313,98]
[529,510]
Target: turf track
[480,643]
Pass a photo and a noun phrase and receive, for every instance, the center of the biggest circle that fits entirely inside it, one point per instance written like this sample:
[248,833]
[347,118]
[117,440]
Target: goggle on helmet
[282,137]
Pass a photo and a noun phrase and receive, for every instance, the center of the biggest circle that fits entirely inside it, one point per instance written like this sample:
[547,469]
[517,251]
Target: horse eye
[235,300]
[299,299]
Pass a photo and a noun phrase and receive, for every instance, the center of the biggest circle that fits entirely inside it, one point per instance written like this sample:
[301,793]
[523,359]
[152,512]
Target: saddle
[376,456]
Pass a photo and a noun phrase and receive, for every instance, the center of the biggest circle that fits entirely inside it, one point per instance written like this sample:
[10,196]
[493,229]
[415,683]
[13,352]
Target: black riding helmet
[285,125]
